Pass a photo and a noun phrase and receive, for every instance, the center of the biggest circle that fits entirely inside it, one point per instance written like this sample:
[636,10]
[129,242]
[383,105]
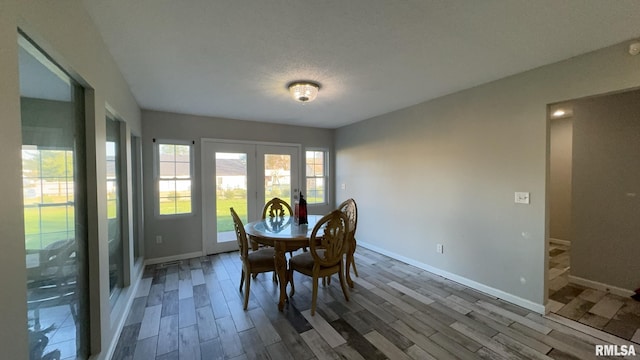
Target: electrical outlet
[439,248]
[158,239]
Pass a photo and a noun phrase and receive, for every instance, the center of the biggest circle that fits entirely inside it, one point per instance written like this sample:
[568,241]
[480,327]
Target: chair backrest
[276,207]
[241,235]
[349,208]
[331,234]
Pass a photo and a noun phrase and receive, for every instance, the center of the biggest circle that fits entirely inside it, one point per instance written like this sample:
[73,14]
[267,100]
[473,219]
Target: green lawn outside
[225,222]
[46,225]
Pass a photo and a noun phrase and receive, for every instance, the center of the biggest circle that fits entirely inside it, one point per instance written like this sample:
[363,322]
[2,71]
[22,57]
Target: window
[174,178]
[316,173]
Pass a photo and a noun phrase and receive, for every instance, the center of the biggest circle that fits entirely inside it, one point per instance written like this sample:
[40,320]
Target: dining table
[284,235]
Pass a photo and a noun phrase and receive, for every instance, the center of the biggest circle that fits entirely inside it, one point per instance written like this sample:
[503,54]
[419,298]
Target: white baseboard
[165,259]
[560,242]
[600,286]
[539,308]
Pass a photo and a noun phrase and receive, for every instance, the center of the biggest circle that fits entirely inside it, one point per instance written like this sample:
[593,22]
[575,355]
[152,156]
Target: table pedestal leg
[281,269]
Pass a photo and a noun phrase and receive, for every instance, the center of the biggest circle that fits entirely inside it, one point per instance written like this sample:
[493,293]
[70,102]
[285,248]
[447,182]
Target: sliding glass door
[55,207]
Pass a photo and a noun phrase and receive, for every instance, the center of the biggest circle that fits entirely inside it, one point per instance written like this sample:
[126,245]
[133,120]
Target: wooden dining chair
[253,262]
[349,208]
[276,207]
[328,244]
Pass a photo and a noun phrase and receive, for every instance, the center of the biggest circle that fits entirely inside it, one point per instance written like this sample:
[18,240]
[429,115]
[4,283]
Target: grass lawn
[47,224]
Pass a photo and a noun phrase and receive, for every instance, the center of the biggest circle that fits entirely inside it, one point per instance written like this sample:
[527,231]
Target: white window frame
[325,176]
[156,175]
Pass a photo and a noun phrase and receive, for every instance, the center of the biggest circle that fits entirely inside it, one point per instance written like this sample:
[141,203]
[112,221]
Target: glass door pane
[278,166]
[228,172]
[231,191]
[277,177]
[55,207]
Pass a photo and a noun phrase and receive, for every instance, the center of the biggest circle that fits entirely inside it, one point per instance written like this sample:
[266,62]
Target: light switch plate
[522,197]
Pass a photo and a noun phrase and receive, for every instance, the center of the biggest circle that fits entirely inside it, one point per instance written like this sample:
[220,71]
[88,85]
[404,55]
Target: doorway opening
[593,204]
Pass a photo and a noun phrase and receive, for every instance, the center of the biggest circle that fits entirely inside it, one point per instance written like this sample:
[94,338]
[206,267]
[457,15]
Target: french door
[244,176]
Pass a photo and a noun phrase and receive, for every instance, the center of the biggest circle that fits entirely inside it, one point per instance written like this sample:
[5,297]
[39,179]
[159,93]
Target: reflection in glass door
[55,208]
[114,208]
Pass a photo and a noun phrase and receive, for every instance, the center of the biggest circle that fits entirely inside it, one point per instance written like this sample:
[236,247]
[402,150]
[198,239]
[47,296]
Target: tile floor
[396,311]
[611,313]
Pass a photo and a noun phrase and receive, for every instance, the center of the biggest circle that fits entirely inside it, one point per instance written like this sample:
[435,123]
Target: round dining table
[284,235]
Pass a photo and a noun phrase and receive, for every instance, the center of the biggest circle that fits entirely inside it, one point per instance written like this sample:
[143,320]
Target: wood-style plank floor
[193,310]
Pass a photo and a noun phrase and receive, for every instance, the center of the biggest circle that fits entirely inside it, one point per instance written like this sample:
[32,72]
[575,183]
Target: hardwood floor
[617,315]
[194,310]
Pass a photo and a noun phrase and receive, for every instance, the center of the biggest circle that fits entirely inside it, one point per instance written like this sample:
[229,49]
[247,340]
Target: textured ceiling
[233,58]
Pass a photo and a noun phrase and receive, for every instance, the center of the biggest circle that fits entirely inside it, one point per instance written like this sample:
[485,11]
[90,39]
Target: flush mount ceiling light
[303,91]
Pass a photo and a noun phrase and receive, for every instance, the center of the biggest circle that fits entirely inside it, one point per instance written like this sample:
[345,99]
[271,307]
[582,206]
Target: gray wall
[183,235]
[560,156]
[606,190]
[65,31]
[449,169]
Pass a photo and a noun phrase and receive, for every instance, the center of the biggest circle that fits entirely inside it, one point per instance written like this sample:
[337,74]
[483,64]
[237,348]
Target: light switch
[522,197]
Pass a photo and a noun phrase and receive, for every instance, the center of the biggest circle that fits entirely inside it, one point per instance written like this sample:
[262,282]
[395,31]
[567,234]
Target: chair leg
[290,279]
[353,262]
[275,277]
[247,287]
[343,284]
[241,280]
[314,296]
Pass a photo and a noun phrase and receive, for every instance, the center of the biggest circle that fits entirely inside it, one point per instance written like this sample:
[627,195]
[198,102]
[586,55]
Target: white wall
[65,32]
[449,169]
[183,235]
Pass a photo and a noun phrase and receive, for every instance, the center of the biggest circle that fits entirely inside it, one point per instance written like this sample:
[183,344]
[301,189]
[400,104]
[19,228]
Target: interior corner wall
[606,190]
[449,168]
[560,155]
[183,235]
[64,30]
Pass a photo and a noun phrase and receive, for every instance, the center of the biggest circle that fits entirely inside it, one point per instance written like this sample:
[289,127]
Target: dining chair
[274,208]
[349,208]
[253,262]
[328,244]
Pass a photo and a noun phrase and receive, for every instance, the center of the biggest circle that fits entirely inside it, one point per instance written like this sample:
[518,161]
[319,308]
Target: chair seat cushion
[262,257]
[304,260]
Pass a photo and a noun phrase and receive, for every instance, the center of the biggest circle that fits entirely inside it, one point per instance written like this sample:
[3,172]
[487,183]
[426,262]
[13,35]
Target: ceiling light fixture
[303,91]
[558,113]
